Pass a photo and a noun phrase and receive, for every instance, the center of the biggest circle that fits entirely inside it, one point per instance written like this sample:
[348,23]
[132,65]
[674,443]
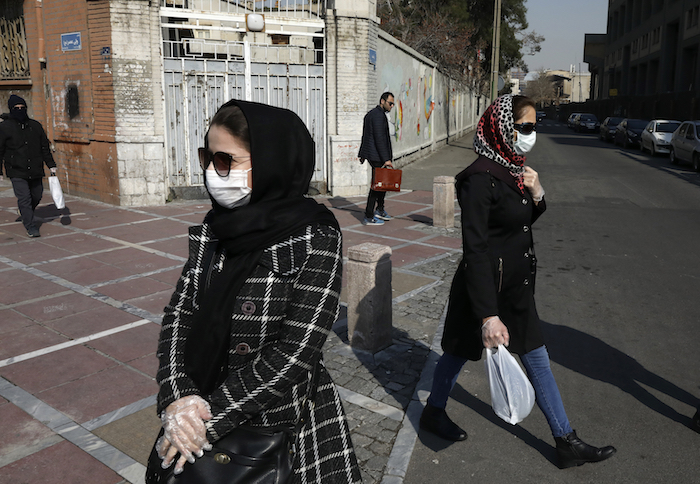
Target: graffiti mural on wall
[414,101]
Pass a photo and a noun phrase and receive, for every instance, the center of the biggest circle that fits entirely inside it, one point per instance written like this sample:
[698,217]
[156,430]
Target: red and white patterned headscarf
[494,137]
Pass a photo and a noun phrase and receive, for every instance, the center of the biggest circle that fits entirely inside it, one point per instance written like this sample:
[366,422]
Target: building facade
[650,53]
[126,88]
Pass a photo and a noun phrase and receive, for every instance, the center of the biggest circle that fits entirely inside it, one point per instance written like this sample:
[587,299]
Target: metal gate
[196,87]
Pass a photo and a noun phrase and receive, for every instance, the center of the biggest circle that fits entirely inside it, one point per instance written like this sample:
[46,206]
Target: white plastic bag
[512,395]
[56,192]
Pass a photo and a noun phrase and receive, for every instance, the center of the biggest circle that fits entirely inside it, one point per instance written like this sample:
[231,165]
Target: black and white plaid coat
[281,319]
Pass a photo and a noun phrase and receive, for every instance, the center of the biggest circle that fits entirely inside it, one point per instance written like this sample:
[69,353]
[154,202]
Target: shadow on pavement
[610,365]
[48,213]
[341,203]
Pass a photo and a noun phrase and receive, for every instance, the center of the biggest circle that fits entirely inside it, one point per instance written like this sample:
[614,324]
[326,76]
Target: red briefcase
[386,180]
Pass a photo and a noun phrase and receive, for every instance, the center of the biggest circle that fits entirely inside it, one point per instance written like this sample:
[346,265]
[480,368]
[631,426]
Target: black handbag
[246,455]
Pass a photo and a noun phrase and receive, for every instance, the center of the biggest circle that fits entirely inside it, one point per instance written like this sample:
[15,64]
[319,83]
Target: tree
[541,88]
[457,34]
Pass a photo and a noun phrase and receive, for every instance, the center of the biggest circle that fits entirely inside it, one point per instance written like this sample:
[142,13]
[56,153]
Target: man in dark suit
[376,148]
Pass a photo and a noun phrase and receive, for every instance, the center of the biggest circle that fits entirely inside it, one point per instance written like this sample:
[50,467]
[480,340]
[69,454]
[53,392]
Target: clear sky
[563,24]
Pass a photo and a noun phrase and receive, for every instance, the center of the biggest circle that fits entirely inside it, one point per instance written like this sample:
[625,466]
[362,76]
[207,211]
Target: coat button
[248,308]
[524,201]
[526,255]
[526,282]
[242,349]
[526,228]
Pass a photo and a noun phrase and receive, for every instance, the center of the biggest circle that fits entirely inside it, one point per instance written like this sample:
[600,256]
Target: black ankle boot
[435,420]
[573,451]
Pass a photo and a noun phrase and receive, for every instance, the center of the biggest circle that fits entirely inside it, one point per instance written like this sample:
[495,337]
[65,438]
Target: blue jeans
[536,364]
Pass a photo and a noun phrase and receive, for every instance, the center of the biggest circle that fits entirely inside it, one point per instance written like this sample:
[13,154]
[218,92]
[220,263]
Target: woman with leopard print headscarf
[492,295]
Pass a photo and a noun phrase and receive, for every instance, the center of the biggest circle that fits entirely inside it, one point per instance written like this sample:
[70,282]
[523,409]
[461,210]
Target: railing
[14,61]
[280,8]
[227,50]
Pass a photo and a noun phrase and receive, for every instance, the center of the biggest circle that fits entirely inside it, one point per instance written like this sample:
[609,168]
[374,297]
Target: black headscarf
[282,155]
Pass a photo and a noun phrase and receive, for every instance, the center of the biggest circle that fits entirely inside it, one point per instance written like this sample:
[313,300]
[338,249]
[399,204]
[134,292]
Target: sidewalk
[80,309]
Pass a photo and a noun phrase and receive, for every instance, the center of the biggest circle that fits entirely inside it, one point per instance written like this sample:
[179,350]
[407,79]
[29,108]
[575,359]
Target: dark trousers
[374,197]
[28,193]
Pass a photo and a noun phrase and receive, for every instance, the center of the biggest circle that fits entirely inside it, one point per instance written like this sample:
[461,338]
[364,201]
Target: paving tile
[354,238]
[131,344]
[92,321]
[34,250]
[147,263]
[147,364]
[81,243]
[154,303]
[14,276]
[169,277]
[442,241]
[11,320]
[412,253]
[28,338]
[35,288]
[96,274]
[121,216]
[62,463]
[117,256]
[415,196]
[47,371]
[71,266]
[193,218]
[177,246]
[134,434]
[21,436]
[133,288]
[58,307]
[99,393]
[178,209]
[150,230]
[52,229]
[349,217]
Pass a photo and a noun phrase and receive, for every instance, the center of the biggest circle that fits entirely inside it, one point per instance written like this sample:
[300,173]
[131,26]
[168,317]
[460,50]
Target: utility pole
[496,48]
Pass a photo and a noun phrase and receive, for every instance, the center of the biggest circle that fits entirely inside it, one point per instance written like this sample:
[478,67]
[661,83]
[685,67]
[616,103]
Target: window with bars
[14,63]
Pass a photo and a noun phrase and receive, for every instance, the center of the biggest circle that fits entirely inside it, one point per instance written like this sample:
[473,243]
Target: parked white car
[656,137]
[685,144]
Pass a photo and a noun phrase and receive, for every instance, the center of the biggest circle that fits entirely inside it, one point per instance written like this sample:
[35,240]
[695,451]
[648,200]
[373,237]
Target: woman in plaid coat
[257,297]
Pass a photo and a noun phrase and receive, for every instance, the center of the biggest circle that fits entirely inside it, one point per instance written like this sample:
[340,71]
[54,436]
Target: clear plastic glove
[494,332]
[185,432]
[53,171]
[531,180]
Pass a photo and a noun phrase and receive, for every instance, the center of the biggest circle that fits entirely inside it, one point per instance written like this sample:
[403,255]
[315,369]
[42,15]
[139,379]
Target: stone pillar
[351,85]
[444,201]
[369,296]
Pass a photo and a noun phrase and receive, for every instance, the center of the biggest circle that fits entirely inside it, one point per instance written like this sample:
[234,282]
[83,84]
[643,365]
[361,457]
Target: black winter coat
[24,148]
[497,273]
[376,141]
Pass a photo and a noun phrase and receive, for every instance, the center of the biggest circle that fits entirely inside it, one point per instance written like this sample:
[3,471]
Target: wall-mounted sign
[71,41]
[373,57]
[613,92]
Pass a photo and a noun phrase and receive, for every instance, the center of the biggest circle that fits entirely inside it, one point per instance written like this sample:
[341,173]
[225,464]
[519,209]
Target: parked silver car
[685,144]
[656,137]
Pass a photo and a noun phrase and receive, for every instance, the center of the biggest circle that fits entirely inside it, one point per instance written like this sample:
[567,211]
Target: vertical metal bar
[246,58]
[185,122]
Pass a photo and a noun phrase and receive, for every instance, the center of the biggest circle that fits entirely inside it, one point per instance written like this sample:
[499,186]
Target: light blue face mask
[524,142]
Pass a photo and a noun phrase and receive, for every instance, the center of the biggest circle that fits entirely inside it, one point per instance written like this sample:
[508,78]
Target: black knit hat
[14,101]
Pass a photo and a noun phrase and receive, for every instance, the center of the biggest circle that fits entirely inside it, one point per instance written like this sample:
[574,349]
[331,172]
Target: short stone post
[444,201]
[369,296]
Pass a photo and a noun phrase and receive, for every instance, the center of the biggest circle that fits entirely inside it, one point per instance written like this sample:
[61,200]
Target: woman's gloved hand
[185,432]
[494,332]
[531,180]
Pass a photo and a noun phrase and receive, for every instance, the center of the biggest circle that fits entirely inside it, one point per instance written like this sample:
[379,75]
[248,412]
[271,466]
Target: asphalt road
[617,290]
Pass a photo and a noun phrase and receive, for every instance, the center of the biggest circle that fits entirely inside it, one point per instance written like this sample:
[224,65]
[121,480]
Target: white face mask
[524,142]
[231,191]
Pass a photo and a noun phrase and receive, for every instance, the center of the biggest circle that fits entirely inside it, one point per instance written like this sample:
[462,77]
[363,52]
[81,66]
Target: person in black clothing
[376,147]
[24,149]
[492,296]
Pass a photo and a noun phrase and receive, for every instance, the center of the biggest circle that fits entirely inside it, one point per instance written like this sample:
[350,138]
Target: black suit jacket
[497,274]
[376,142]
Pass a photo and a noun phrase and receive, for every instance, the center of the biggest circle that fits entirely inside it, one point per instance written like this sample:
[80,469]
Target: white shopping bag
[56,192]
[512,395]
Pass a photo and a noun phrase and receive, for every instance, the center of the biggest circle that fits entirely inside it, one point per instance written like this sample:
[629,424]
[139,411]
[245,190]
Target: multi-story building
[649,53]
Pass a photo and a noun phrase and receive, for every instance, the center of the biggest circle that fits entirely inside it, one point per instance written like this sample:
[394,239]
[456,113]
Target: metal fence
[281,8]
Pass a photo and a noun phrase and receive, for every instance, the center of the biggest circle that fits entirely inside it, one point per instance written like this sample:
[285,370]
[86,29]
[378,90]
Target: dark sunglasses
[222,161]
[525,128]
[391,104]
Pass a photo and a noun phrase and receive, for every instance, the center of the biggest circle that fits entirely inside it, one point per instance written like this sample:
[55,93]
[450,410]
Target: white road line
[68,344]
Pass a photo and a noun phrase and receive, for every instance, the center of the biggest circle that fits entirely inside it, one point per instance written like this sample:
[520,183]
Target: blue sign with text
[71,41]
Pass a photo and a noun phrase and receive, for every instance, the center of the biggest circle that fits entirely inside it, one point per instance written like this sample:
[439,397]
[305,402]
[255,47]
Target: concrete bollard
[369,296]
[444,201]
